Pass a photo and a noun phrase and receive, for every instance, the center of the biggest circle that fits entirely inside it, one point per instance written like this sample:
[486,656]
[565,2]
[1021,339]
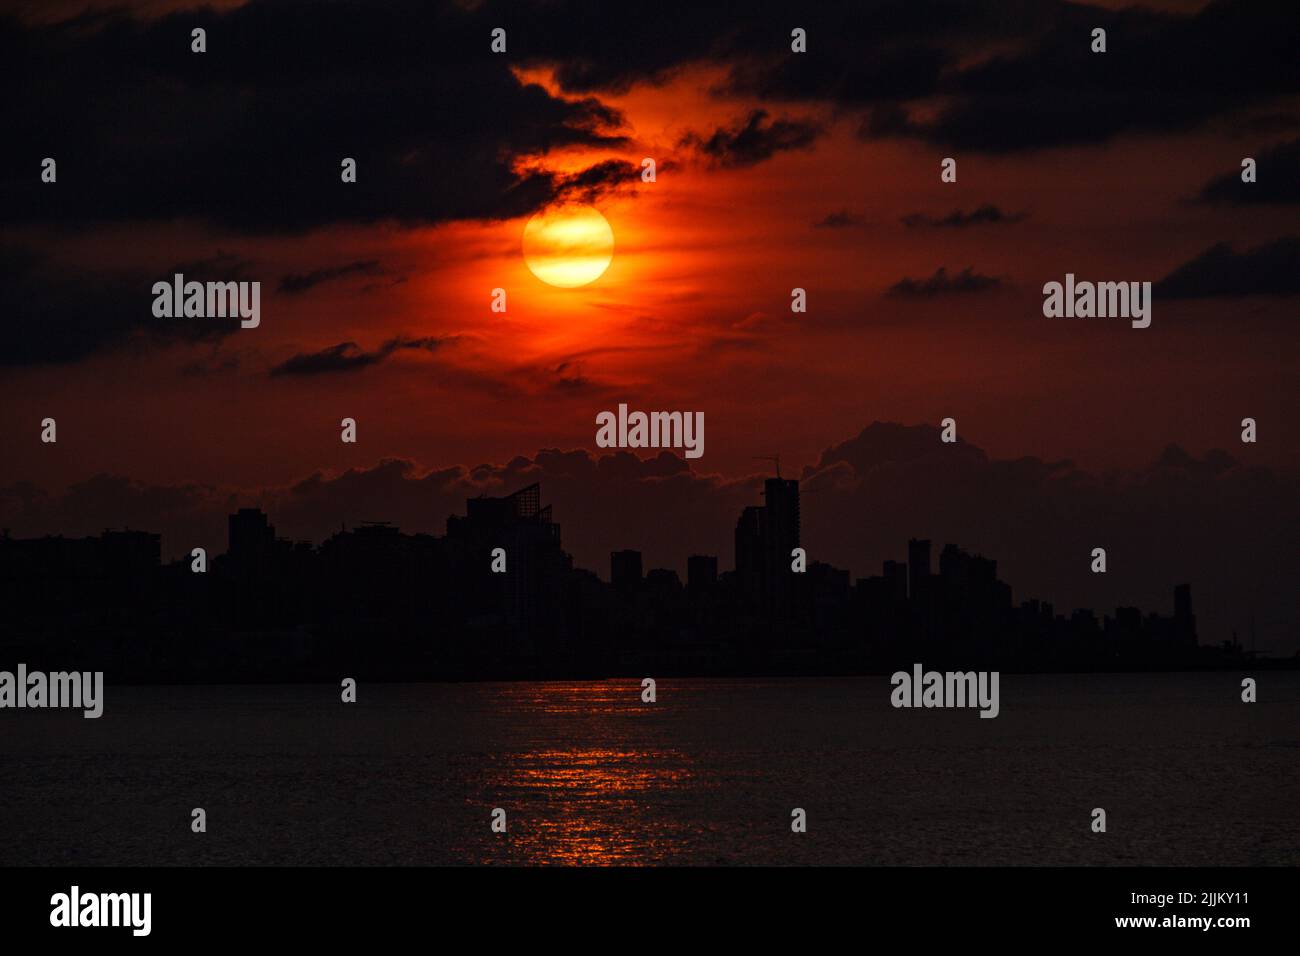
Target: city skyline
[504,599]
[892,481]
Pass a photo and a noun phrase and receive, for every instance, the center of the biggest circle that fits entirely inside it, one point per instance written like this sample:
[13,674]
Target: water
[709,774]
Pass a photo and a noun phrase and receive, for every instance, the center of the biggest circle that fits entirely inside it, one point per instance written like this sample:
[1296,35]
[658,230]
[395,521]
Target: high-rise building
[895,575]
[749,550]
[625,571]
[250,536]
[663,583]
[526,594]
[918,568]
[701,573]
[765,538]
[781,497]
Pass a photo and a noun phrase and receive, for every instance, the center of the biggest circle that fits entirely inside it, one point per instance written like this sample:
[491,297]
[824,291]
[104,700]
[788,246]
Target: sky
[774,171]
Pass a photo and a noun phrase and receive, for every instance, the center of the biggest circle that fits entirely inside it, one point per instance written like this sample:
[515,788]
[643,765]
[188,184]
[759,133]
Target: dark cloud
[753,140]
[941,283]
[604,178]
[221,266]
[1277,179]
[844,219]
[957,219]
[859,51]
[301,282]
[1162,72]
[348,357]
[1039,519]
[1009,76]
[251,133]
[839,74]
[64,314]
[1269,269]
[568,377]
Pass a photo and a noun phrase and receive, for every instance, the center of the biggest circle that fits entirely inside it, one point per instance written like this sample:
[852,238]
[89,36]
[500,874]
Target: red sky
[693,313]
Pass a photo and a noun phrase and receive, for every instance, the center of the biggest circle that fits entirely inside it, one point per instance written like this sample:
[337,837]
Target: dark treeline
[373,603]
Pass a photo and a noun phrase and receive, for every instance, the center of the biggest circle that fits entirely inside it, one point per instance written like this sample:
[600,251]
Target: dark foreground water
[709,774]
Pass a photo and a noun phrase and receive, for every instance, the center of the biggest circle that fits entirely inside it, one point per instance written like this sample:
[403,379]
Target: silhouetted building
[701,573]
[895,577]
[526,594]
[749,551]
[918,567]
[663,582]
[250,537]
[781,502]
[625,571]
[376,601]
[765,540]
[133,553]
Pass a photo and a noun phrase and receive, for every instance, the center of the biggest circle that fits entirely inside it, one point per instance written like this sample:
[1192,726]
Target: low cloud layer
[1224,270]
[944,283]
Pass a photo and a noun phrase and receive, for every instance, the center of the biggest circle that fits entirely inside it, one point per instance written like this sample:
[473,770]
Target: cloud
[844,219]
[251,134]
[1277,179]
[989,77]
[753,140]
[941,283]
[1269,269]
[301,282]
[348,357]
[221,266]
[957,219]
[62,314]
[602,179]
[1163,72]
[860,51]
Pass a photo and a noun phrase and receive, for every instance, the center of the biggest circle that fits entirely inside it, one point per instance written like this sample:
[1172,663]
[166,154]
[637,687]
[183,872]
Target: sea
[713,772]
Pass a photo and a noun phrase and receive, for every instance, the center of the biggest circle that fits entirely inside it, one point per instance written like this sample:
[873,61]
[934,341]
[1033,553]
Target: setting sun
[568,246]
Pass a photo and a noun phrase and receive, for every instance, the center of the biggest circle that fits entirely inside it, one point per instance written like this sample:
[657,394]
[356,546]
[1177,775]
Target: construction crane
[776,460]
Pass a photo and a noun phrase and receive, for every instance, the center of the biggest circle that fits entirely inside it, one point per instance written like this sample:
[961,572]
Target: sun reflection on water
[591,804]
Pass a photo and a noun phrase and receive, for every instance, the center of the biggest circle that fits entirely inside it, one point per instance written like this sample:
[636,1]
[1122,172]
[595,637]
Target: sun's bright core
[568,246]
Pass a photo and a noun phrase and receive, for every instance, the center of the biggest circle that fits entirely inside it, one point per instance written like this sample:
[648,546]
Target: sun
[568,246]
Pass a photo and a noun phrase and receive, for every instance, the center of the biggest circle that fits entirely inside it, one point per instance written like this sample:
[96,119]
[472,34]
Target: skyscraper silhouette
[250,537]
[625,571]
[749,552]
[701,573]
[765,538]
[918,568]
[527,592]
